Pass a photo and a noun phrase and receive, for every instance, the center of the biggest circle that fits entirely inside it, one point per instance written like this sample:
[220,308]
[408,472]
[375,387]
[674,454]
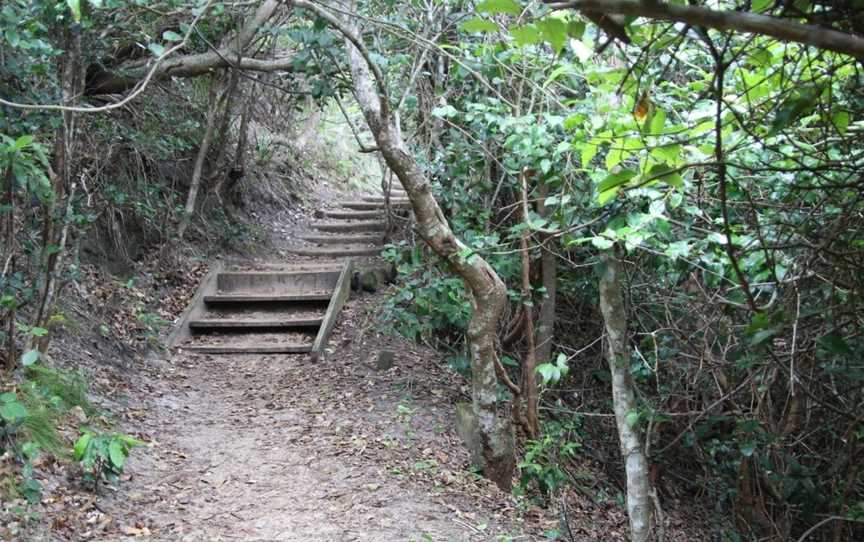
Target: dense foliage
[724,168]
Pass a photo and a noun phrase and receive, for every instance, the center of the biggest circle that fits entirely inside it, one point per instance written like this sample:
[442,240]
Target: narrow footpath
[276,447]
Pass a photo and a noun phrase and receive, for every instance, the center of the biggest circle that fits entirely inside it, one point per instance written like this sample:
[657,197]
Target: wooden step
[276,281]
[249,348]
[260,323]
[267,298]
[371,239]
[352,215]
[393,199]
[335,251]
[374,205]
[353,226]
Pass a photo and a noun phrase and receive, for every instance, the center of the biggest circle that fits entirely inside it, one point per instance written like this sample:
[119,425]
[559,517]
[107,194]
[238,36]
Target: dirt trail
[276,448]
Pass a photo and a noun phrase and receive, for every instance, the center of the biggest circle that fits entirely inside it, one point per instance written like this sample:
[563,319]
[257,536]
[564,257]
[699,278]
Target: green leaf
[840,120]
[663,173]
[116,454]
[667,153]
[30,357]
[75,8]
[761,336]
[759,5]
[479,25]
[524,35]
[157,49]
[615,180]
[678,249]
[576,29]
[554,31]
[748,448]
[799,104]
[170,35]
[499,6]
[8,397]
[588,152]
[25,140]
[614,157]
[549,373]
[657,122]
[834,343]
[38,331]
[602,242]
[81,446]
[632,418]
[13,412]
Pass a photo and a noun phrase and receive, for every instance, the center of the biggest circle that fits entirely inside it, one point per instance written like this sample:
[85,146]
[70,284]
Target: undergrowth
[36,419]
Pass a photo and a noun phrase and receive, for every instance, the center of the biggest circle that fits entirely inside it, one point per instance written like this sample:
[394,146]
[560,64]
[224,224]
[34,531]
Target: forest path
[277,448]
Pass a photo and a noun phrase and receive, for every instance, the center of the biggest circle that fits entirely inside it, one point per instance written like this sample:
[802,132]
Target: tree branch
[766,25]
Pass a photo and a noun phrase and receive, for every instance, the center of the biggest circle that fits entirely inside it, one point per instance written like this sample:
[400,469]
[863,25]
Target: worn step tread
[338,250]
[380,199]
[351,225]
[371,239]
[260,323]
[371,205]
[351,214]
[249,348]
[267,298]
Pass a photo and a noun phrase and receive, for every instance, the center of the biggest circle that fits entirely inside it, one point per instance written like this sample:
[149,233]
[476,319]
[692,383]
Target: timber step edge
[272,323]
[344,239]
[381,199]
[359,225]
[266,298]
[370,205]
[248,349]
[337,251]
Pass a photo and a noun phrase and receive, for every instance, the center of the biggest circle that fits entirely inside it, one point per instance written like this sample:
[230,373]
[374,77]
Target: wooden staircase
[355,229]
[286,308]
[265,309]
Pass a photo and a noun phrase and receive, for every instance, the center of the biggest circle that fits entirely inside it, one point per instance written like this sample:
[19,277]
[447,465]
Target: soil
[278,448]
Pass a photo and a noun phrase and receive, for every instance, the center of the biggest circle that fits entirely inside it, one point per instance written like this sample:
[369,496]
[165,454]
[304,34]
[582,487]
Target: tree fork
[488,294]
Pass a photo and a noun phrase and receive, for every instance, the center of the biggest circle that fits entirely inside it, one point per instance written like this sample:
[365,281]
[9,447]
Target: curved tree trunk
[639,503]
[487,290]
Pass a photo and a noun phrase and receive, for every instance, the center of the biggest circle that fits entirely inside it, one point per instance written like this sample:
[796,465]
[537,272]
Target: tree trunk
[225,107]
[549,277]
[310,125]
[199,161]
[529,363]
[72,83]
[9,265]
[639,501]
[487,290]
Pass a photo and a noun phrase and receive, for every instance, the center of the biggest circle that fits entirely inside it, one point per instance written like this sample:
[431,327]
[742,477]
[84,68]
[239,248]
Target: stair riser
[371,205]
[262,282]
[393,200]
[345,239]
[252,325]
[353,215]
[351,227]
[241,349]
[266,301]
[336,252]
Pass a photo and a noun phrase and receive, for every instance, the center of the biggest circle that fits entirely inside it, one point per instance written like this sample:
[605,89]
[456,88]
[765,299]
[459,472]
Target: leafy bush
[103,456]
[542,466]
[426,304]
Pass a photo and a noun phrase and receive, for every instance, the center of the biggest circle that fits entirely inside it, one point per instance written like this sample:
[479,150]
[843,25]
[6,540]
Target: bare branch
[766,25]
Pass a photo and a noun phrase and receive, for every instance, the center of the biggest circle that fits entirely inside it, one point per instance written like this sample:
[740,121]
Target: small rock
[78,414]
[385,360]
